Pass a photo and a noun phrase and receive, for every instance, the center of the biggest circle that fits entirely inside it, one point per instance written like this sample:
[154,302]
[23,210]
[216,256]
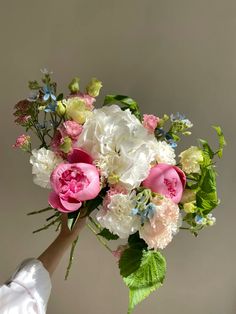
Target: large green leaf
[125,102]
[147,277]
[105,233]
[206,197]
[130,261]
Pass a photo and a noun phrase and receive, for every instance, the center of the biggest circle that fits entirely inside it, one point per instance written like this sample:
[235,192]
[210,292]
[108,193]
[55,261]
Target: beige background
[170,55]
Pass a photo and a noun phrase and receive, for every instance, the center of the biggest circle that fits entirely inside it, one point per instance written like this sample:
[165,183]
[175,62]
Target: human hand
[65,231]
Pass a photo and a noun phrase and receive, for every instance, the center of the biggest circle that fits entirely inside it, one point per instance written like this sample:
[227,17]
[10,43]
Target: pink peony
[71,129]
[159,230]
[150,122]
[74,183]
[167,180]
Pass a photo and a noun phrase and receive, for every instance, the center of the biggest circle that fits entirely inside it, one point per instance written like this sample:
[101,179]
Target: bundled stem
[71,257]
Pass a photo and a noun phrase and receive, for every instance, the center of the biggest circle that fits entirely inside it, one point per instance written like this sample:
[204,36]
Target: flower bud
[189,207]
[60,109]
[67,145]
[23,142]
[74,85]
[94,87]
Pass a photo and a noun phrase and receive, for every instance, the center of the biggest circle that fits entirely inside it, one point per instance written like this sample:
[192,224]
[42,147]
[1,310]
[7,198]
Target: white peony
[119,218]
[120,145]
[165,153]
[190,159]
[44,162]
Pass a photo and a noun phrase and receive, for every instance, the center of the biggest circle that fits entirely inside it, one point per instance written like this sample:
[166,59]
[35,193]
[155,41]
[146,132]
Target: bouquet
[119,169]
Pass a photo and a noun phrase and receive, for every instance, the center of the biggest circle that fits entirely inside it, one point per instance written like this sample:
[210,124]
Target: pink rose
[89,100]
[167,180]
[150,122]
[74,183]
[71,129]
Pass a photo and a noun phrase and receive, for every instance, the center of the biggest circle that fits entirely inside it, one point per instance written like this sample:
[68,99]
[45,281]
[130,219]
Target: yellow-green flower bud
[189,207]
[74,85]
[94,87]
[67,145]
[60,109]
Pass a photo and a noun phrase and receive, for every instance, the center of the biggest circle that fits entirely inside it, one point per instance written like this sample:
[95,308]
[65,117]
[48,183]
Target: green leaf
[135,241]
[130,261]
[105,233]
[91,205]
[147,278]
[60,97]
[206,197]
[124,102]
[207,149]
[222,141]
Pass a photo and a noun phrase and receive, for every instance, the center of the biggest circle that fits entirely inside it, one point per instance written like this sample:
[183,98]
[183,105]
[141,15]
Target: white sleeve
[27,291]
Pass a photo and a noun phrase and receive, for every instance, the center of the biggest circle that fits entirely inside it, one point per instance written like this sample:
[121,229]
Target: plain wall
[170,55]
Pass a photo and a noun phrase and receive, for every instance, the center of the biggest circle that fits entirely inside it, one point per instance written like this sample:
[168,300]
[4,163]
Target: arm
[54,253]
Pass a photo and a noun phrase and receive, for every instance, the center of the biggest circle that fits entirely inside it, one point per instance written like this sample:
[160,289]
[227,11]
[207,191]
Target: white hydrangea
[43,162]
[120,145]
[165,153]
[190,159]
[119,218]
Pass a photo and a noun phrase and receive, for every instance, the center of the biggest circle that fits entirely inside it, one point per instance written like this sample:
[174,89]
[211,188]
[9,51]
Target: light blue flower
[200,220]
[48,94]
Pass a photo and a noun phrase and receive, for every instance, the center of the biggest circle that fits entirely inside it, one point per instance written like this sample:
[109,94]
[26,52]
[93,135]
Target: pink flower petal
[79,156]
[55,202]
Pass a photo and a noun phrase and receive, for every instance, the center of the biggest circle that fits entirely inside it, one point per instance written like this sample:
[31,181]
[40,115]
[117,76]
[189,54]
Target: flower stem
[48,225]
[71,257]
[95,223]
[40,211]
[99,238]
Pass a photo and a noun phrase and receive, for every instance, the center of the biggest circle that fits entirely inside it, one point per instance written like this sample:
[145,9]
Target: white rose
[190,159]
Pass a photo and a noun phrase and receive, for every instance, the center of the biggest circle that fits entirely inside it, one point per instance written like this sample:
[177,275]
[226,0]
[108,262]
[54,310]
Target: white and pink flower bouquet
[119,169]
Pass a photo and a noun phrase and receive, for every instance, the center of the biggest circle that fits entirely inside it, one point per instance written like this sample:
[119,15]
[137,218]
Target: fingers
[64,221]
[79,225]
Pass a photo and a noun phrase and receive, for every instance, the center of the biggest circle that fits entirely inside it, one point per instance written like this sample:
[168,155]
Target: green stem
[95,223]
[99,238]
[71,257]
[40,211]
[48,225]
[184,228]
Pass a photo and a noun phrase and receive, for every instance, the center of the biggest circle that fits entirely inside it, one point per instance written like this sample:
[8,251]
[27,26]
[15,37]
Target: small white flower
[165,153]
[118,218]
[44,162]
[190,159]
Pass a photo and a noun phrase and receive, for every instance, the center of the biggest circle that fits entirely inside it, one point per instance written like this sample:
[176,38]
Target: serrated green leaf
[125,102]
[136,242]
[222,141]
[207,149]
[147,278]
[130,261]
[138,295]
[105,233]
[206,197]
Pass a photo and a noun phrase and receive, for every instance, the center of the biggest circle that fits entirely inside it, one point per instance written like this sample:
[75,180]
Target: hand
[71,234]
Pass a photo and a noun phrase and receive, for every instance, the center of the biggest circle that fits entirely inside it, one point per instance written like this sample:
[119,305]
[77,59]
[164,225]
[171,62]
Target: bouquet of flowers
[118,168]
